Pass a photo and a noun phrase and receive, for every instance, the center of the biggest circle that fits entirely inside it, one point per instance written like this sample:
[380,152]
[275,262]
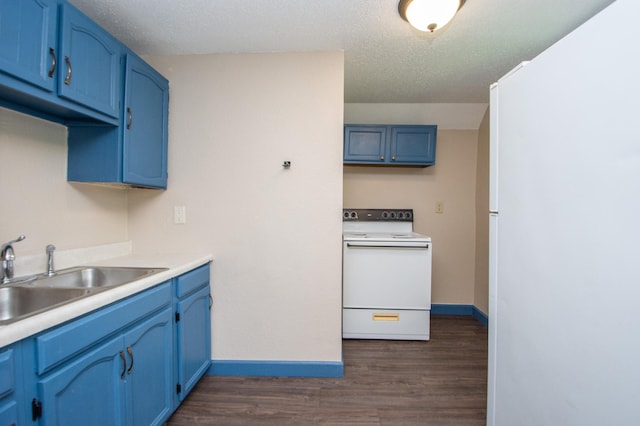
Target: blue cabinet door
[87,391]
[365,144]
[89,64]
[8,382]
[145,125]
[149,348]
[388,145]
[194,339]
[413,145]
[28,41]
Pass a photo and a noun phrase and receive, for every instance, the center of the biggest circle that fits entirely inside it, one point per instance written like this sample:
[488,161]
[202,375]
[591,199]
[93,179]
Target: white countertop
[177,264]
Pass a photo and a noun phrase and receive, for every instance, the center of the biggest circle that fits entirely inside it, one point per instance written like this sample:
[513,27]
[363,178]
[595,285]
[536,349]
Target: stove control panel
[377,215]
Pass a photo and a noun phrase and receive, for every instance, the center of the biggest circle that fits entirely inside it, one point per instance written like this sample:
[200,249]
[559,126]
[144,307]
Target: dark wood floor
[440,382]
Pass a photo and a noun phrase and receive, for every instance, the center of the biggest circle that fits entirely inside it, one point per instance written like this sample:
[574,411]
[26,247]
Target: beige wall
[481,291]
[275,233]
[452,180]
[37,200]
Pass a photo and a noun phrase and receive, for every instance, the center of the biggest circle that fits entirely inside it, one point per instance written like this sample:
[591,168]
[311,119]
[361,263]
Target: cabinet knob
[393,158]
[382,157]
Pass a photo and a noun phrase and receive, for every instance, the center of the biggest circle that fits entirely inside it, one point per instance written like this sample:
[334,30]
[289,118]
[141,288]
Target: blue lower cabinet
[8,383]
[129,363]
[194,337]
[149,374]
[87,391]
[124,379]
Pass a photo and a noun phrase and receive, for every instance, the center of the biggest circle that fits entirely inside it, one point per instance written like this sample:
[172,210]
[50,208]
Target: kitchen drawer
[7,381]
[192,281]
[385,324]
[64,342]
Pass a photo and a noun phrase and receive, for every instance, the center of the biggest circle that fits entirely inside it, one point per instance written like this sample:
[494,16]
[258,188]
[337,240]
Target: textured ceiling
[386,60]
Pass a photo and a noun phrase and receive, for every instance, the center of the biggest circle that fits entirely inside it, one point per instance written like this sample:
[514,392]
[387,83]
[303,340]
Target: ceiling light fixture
[429,15]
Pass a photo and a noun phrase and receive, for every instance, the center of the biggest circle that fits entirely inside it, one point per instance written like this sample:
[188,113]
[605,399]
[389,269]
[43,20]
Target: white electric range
[386,276]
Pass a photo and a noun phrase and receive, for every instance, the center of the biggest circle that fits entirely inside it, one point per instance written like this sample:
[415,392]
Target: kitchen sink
[39,293]
[19,302]
[93,277]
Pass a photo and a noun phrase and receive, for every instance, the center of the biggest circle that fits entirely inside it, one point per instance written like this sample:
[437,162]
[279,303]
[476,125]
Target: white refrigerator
[564,280]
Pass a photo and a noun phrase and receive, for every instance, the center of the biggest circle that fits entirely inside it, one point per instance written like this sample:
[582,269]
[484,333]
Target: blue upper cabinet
[57,64]
[134,154]
[28,41]
[89,64]
[145,130]
[413,145]
[399,145]
[364,144]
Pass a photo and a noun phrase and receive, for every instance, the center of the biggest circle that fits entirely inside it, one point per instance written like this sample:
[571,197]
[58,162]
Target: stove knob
[385,215]
[345,215]
[407,215]
[392,215]
[354,215]
[400,215]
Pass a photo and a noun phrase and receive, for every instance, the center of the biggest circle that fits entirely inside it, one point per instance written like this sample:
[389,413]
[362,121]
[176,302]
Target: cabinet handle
[53,62]
[67,79]
[129,118]
[130,352]
[382,157]
[124,365]
[210,302]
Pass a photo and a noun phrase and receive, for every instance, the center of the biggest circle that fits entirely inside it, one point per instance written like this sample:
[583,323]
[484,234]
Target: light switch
[439,206]
[179,214]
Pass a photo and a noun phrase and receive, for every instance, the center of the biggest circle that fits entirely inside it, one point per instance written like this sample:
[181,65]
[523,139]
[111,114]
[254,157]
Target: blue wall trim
[480,316]
[469,310]
[276,368]
[442,309]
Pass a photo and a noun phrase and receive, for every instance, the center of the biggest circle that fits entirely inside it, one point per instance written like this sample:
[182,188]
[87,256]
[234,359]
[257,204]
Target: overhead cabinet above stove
[390,145]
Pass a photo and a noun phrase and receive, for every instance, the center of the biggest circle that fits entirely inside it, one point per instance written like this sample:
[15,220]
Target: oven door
[387,274]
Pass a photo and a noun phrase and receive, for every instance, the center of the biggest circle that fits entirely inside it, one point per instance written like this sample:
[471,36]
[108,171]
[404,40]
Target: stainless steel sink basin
[93,277]
[33,295]
[20,302]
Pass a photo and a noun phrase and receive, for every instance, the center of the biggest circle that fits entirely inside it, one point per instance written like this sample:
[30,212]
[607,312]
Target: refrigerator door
[563,330]
[493,147]
[493,316]
[494,142]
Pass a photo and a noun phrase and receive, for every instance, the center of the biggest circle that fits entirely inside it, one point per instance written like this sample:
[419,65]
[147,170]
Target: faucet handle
[17,240]
[7,257]
[50,248]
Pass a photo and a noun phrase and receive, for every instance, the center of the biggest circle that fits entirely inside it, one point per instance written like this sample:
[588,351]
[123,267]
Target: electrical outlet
[439,206]
[179,215]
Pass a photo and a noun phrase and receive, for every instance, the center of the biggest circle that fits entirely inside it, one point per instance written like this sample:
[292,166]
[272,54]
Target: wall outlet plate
[180,215]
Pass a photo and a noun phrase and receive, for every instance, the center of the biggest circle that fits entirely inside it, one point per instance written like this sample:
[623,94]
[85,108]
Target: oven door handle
[390,246]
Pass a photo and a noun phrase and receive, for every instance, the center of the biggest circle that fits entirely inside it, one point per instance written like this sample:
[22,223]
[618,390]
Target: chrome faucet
[7,256]
[50,271]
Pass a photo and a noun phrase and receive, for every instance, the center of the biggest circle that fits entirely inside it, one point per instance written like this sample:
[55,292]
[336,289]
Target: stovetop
[380,225]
